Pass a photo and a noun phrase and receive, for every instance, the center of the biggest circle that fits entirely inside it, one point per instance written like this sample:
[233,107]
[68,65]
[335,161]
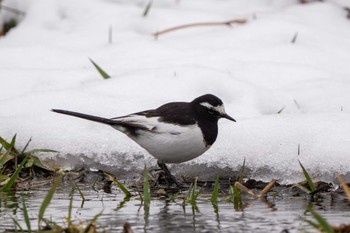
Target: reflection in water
[9,201]
[273,214]
[146,209]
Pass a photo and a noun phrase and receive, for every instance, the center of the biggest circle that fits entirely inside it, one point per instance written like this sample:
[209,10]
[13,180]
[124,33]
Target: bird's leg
[156,180]
[168,175]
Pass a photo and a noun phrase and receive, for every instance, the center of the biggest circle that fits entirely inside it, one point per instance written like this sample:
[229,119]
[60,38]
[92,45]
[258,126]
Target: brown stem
[267,188]
[225,23]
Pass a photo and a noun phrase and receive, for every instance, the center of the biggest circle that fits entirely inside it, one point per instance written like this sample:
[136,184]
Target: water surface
[282,212]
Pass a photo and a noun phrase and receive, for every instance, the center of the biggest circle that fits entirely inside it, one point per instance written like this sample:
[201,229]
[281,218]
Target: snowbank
[282,94]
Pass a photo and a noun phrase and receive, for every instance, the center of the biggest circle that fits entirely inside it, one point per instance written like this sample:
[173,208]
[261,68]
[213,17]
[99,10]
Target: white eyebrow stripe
[207,105]
[220,108]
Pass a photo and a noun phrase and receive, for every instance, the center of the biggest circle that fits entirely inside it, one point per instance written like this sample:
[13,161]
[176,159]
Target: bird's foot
[169,178]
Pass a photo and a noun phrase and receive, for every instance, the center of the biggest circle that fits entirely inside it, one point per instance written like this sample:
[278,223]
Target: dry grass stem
[344,186]
[127,228]
[244,188]
[267,188]
[205,24]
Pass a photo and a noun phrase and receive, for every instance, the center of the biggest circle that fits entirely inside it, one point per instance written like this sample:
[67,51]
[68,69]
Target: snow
[254,68]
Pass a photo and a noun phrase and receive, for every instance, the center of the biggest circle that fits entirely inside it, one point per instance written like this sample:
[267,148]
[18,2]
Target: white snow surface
[254,68]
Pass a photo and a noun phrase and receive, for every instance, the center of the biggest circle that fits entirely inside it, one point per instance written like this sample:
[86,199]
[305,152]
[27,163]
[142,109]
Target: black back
[179,113]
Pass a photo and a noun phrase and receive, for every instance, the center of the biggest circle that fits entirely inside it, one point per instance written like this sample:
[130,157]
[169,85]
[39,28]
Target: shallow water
[277,213]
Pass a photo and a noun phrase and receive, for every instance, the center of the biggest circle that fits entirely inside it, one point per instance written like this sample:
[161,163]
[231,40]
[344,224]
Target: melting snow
[254,68]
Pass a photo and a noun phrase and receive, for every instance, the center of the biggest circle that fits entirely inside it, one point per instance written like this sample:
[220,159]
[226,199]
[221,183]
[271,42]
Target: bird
[175,132]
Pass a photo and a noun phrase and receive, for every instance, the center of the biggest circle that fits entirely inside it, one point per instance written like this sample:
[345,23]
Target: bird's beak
[228,117]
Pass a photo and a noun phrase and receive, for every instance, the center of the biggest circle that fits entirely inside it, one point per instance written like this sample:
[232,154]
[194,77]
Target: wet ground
[283,210]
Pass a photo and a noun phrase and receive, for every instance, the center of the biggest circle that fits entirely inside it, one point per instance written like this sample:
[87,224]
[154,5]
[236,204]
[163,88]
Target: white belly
[176,147]
[166,142]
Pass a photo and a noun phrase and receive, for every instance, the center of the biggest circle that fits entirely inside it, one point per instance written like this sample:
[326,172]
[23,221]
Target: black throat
[207,123]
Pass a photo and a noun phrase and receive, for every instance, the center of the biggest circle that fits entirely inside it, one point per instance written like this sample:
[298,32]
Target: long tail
[85,116]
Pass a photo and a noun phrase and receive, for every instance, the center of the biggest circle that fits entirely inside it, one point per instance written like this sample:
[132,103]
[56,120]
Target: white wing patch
[149,123]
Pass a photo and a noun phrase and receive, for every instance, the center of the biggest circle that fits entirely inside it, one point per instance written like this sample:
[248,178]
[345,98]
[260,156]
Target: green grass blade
[9,184]
[29,163]
[199,192]
[146,196]
[69,218]
[122,203]
[100,70]
[188,195]
[237,197]
[235,191]
[5,157]
[48,199]
[9,146]
[37,162]
[311,223]
[241,172]
[26,216]
[325,227]
[307,177]
[214,196]
[120,186]
[81,195]
[302,188]
[25,147]
[146,189]
[193,192]
[42,151]
[17,224]
[148,7]
[216,208]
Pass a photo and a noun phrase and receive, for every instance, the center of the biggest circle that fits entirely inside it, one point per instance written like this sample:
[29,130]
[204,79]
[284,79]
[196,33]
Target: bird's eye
[211,111]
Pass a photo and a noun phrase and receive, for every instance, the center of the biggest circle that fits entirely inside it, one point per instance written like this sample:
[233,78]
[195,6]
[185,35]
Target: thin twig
[10,9]
[225,23]
[344,186]
[267,188]
[244,188]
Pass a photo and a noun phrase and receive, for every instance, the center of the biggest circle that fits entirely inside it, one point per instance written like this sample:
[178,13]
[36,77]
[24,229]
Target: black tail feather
[85,116]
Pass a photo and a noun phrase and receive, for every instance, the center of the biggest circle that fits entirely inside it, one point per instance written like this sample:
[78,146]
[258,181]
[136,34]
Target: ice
[283,95]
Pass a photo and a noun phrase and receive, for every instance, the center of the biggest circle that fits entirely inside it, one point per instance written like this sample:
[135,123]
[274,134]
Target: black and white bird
[175,132]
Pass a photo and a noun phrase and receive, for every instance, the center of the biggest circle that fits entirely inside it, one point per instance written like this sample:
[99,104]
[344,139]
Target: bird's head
[211,106]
